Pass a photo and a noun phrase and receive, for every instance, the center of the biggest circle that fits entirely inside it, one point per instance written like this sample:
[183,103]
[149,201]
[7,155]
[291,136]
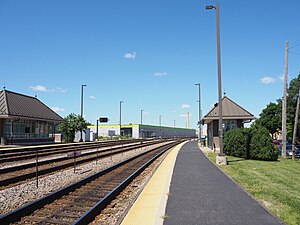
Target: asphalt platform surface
[201,194]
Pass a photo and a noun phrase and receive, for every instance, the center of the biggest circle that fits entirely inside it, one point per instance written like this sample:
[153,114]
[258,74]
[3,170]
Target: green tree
[292,95]
[270,117]
[72,123]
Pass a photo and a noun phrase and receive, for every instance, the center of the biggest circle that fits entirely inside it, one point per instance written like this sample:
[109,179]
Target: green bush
[236,142]
[250,143]
[261,145]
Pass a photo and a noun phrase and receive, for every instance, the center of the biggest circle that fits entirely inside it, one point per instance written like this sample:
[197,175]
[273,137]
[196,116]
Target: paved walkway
[201,194]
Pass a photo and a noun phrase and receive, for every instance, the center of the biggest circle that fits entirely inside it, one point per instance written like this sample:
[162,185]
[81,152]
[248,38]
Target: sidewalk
[201,194]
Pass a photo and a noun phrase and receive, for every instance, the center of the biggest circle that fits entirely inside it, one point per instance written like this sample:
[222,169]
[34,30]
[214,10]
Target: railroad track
[82,201]
[11,176]
[23,153]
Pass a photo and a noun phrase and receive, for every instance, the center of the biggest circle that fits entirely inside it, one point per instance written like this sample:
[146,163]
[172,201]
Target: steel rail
[55,146]
[64,158]
[91,214]
[15,179]
[17,156]
[29,208]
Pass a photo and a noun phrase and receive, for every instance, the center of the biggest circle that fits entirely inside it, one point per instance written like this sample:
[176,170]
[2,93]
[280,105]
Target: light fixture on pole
[121,116]
[200,112]
[81,108]
[221,159]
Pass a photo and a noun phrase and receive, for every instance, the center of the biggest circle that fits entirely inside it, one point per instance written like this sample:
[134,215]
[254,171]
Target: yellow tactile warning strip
[149,208]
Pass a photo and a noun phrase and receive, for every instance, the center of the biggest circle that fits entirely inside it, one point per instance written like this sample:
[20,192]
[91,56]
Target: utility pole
[295,126]
[283,154]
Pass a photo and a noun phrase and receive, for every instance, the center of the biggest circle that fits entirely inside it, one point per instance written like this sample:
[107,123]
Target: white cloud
[267,80]
[185,115]
[60,90]
[160,74]
[93,97]
[42,88]
[57,109]
[130,55]
[38,88]
[184,106]
[282,77]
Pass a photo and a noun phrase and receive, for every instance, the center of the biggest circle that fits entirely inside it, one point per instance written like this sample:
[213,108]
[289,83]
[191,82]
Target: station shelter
[25,119]
[233,116]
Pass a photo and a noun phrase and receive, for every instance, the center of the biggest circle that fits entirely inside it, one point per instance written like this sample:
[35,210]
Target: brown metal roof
[230,110]
[17,105]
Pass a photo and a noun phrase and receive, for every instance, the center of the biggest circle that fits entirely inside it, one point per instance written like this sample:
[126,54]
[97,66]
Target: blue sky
[149,54]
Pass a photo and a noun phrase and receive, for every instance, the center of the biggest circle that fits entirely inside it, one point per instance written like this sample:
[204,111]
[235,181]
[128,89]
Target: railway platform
[187,189]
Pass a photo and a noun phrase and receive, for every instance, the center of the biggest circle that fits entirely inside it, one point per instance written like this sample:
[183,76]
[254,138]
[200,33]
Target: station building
[233,116]
[141,131]
[25,119]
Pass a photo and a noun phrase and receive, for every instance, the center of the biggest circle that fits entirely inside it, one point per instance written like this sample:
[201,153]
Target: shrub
[261,145]
[236,142]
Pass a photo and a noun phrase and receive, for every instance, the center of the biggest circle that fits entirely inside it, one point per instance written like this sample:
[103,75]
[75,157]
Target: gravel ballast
[15,197]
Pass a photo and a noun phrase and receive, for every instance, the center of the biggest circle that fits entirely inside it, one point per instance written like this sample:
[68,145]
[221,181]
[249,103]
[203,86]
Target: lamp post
[121,116]
[159,120]
[97,134]
[221,159]
[142,116]
[81,108]
[200,114]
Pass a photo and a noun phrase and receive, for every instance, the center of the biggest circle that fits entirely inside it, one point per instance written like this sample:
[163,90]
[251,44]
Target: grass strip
[275,184]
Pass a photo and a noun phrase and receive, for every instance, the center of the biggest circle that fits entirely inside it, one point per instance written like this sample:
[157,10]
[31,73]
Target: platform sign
[103,119]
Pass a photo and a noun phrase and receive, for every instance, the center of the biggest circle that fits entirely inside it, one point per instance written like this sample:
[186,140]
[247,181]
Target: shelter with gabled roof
[233,116]
[26,119]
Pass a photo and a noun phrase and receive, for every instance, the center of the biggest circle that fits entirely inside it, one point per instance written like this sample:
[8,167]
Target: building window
[229,124]
[28,129]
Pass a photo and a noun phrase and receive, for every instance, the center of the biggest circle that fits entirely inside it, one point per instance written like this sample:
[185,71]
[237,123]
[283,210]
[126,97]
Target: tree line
[271,116]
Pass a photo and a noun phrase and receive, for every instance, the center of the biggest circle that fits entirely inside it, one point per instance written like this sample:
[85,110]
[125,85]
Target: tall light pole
[81,108]
[200,113]
[159,120]
[142,116]
[220,160]
[81,111]
[97,134]
[121,116]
